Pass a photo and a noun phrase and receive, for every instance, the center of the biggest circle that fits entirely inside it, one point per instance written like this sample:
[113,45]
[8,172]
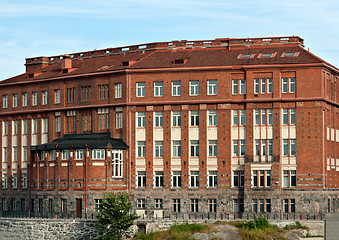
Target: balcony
[262,158]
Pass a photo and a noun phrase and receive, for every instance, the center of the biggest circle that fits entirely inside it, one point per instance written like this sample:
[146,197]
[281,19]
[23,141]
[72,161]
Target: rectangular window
[194,115]
[24,99]
[212,205]
[159,149]
[285,147]
[255,205]
[269,85]
[104,91]
[263,85]
[141,89]
[292,206]
[176,179]
[235,118]
[158,203]
[15,100]
[269,116]
[141,179]
[292,85]
[15,127]
[211,87]
[50,205]
[212,118]
[98,154]
[86,93]
[238,179]
[158,119]
[24,126]
[117,161]
[194,179]
[235,86]
[284,85]
[24,180]
[257,116]
[194,205]
[15,180]
[65,154]
[141,149]
[263,117]
[4,180]
[235,148]
[15,154]
[285,205]
[268,178]
[242,147]
[103,119]
[176,88]
[71,121]
[58,124]
[293,178]
[292,116]
[293,147]
[212,178]
[44,97]
[268,205]
[194,148]
[242,86]
[5,101]
[176,119]
[261,205]
[176,205]
[35,126]
[256,86]
[24,153]
[118,90]
[57,96]
[159,179]
[34,98]
[194,88]
[176,148]
[212,148]
[141,119]
[285,116]
[238,205]
[158,89]
[80,154]
[45,125]
[242,117]
[118,120]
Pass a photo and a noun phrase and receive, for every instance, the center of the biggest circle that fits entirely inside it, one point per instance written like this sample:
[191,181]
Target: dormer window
[289,54]
[125,63]
[179,61]
[31,75]
[64,70]
[246,56]
[267,55]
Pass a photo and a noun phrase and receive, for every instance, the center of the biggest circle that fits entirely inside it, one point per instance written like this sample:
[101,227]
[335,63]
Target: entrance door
[79,208]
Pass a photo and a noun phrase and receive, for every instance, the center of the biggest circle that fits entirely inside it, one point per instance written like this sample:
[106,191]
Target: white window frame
[212,118]
[176,88]
[158,149]
[194,118]
[118,120]
[158,119]
[194,148]
[235,86]
[57,96]
[212,178]
[176,179]
[80,154]
[34,98]
[141,149]
[44,97]
[242,86]
[176,118]
[118,90]
[5,101]
[117,163]
[256,86]
[65,154]
[212,87]
[141,119]
[194,87]
[158,89]
[98,153]
[15,100]
[194,179]
[176,148]
[24,99]
[212,148]
[140,89]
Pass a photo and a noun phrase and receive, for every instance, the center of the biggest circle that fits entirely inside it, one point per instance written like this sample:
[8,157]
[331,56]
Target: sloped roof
[82,141]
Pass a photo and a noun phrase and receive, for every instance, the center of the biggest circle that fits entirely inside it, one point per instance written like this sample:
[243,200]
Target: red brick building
[185,127]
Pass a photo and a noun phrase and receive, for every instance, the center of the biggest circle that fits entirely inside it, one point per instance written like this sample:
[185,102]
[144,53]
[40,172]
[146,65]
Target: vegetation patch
[297,225]
[177,232]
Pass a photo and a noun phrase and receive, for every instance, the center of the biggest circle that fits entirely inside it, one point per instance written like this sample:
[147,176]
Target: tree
[114,218]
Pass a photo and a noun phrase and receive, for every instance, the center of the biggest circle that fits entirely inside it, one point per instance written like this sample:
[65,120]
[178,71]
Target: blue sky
[31,28]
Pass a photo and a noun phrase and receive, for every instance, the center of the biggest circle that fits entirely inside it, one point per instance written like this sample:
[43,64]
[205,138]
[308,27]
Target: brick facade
[212,127]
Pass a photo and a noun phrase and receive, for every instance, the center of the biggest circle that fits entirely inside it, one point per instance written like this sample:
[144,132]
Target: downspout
[86,195]
[129,137]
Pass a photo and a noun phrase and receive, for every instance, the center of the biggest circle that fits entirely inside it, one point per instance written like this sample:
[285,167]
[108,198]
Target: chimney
[35,63]
[66,62]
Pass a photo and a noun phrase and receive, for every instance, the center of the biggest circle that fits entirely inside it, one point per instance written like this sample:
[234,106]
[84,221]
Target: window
[98,154]
[63,205]
[118,90]
[176,119]
[238,179]
[34,98]
[80,154]
[292,116]
[288,85]
[238,86]
[141,179]
[235,117]
[71,121]
[158,203]
[65,154]
[194,88]
[269,85]
[242,147]
[24,126]
[118,120]
[86,122]
[5,101]
[212,118]
[176,179]
[141,89]
[289,178]
[289,205]
[159,149]
[194,148]
[141,119]
[235,86]
[4,180]
[70,93]
[212,148]
[44,97]
[235,148]
[212,205]
[141,145]
[176,146]
[263,85]
[194,205]
[50,205]
[256,85]
[289,147]
[24,180]
[194,179]
[15,180]
[103,119]
[15,100]
[15,154]
[176,205]
[212,178]
[159,119]
[15,127]
[85,93]
[5,128]
[238,205]
[104,92]
[97,203]
[194,118]
[242,86]
[35,126]
[289,116]
[176,88]
[261,178]
[58,124]
[57,96]
[158,89]
[159,179]
[263,116]
[117,161]
[45,125]
[211,87]
[24,153]
[24,99]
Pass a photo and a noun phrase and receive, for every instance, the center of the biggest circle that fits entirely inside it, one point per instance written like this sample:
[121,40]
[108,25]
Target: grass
[297,225]
[177,232]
